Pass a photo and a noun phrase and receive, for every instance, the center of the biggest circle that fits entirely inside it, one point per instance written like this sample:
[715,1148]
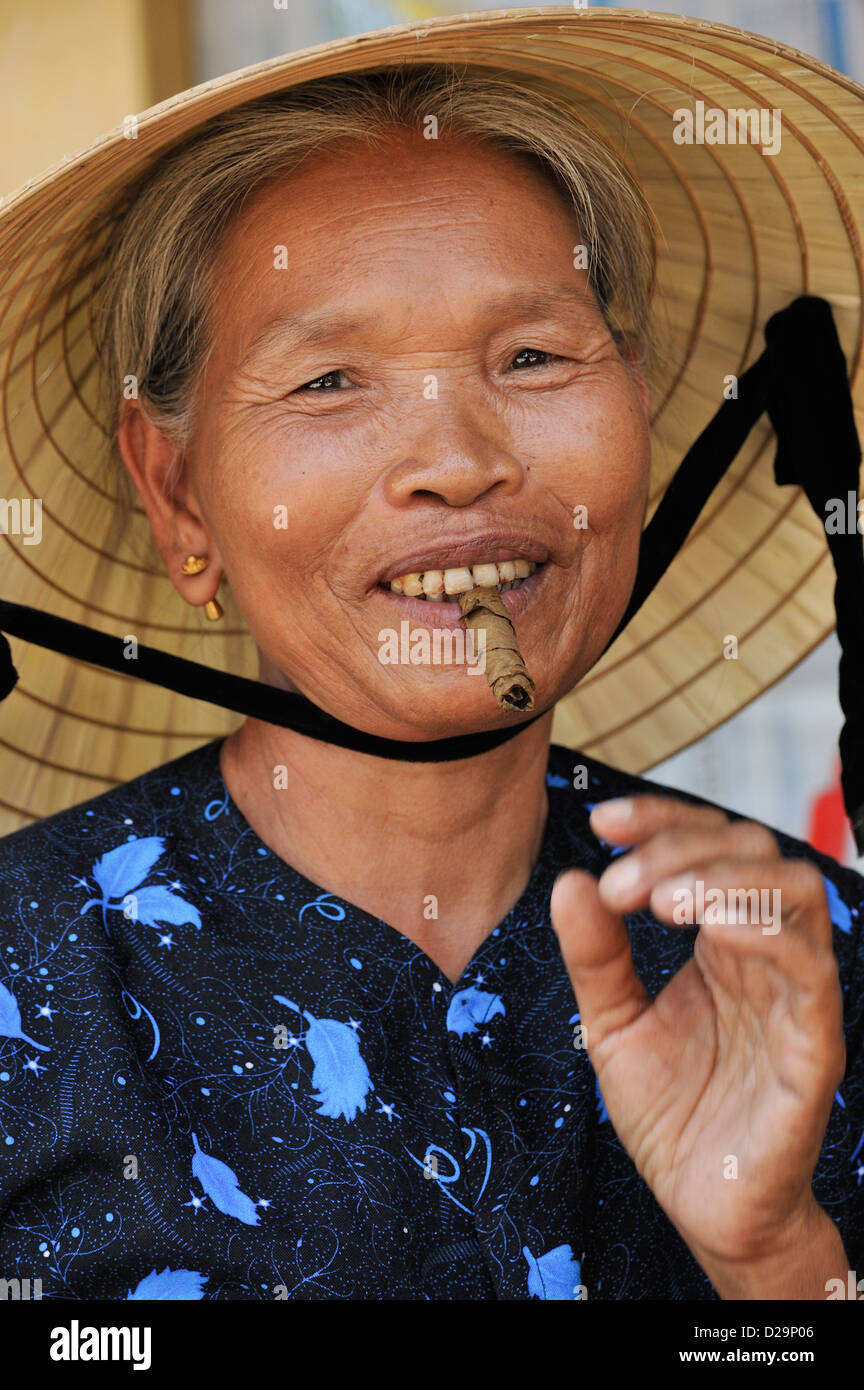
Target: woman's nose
[457,461]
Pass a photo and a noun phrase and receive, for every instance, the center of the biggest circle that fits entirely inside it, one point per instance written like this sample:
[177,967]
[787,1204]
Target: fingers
[729,898]
[596,951]
[626,820]
[691,866]
[765,934]
[627,883]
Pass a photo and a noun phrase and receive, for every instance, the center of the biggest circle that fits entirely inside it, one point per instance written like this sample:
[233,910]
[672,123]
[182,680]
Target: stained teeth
[436,586]
[433,583]
[457,581]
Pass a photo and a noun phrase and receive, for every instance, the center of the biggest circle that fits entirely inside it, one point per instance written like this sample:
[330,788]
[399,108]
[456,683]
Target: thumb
[596,951]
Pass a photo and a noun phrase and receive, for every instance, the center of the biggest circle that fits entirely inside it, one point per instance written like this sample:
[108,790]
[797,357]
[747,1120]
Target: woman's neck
[440,851]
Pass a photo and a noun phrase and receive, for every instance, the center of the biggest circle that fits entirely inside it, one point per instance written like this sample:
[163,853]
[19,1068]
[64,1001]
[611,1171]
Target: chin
[448,714]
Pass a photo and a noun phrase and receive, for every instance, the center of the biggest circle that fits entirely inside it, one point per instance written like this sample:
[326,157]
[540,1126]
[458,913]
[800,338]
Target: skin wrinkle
[314,328]
[368,470]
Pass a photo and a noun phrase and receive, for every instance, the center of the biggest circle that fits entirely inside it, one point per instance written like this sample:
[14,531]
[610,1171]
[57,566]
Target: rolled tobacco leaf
[508,678]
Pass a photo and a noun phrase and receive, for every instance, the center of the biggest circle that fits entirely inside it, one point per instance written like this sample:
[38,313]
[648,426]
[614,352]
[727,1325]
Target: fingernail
[621,876]
[618,809]
[673,897]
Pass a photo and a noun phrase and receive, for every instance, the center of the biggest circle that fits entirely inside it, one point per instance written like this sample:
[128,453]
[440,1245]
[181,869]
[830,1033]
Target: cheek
[248,525]
[272,517]
[604,480]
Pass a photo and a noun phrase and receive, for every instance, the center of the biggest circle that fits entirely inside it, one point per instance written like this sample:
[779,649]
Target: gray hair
[152,299]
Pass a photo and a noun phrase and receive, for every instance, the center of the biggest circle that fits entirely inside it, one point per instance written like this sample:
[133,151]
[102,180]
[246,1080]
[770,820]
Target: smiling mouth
[442,586]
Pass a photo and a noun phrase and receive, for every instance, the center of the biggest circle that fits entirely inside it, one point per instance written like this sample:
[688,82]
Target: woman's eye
[535,354]
[527,357]
[315,383]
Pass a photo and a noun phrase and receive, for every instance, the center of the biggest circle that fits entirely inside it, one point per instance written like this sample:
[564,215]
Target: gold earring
[194,564]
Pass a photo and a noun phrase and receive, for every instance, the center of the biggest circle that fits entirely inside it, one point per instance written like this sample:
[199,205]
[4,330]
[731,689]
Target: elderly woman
[326,1025]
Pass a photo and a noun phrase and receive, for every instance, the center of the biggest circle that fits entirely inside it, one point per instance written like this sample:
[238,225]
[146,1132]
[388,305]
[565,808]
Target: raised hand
[721,1087]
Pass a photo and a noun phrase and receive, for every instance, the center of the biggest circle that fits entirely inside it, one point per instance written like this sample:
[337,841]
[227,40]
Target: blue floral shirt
[219,1081]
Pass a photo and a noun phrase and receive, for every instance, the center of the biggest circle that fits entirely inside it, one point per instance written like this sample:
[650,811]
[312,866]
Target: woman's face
[409,374]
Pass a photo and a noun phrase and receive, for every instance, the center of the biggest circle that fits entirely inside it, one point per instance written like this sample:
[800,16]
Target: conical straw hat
[743,232]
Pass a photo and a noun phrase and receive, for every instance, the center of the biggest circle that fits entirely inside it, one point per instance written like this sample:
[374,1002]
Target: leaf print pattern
[555,1275]
[153,904]
[840,914]
[340,1074]
[120,874]
[221,1185]
[10,1020]
[170,1284]
[470,1007]
[172,1129]
[124,868]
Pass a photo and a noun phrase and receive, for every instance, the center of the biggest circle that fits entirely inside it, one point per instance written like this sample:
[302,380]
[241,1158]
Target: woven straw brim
[743,232]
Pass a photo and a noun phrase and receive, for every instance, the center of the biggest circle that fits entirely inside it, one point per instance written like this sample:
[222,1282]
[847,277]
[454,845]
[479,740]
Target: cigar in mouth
[509,681]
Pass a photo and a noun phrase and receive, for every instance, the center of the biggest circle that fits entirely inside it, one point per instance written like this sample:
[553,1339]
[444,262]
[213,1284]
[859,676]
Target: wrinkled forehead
[399,180]
[397,221]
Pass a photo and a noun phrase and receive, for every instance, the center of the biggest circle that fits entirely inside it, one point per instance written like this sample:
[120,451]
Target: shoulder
[60,875]
[65,966]
[57,842]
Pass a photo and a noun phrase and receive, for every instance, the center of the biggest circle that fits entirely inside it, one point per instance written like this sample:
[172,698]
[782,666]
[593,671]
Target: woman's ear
[155,464]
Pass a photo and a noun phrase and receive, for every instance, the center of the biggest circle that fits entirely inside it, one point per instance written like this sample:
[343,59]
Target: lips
[480,548]
[517,602]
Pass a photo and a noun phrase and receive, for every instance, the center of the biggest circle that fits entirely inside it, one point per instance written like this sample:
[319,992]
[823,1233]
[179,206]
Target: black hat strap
[801,381]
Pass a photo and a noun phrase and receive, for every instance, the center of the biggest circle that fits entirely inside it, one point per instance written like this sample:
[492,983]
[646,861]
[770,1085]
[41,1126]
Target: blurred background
[68,72]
